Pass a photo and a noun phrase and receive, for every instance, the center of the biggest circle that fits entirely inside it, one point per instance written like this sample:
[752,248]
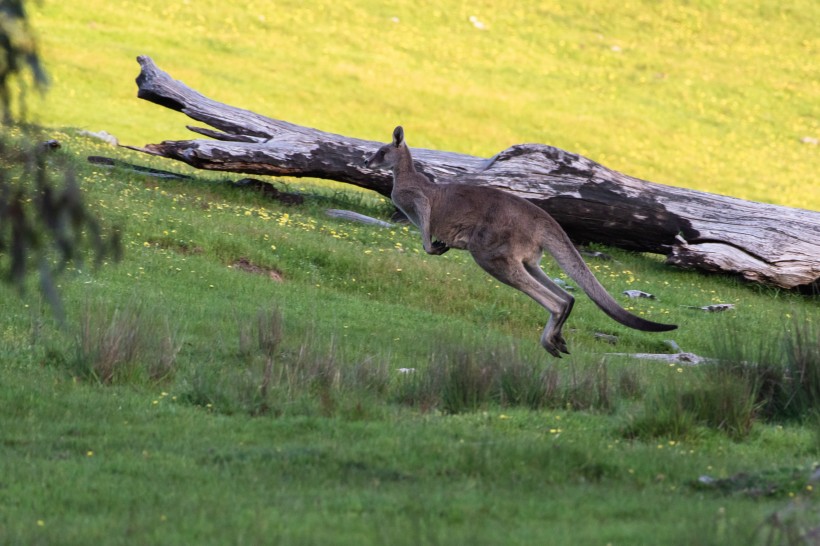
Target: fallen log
[760,242]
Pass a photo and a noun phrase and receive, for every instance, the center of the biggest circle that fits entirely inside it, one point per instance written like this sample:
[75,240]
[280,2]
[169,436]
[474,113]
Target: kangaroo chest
[409,201]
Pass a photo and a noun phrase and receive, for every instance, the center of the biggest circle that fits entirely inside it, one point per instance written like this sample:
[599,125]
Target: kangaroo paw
[438,247]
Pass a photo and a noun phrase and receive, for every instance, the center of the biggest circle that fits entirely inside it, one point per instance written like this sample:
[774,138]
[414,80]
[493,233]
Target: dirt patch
[244,264]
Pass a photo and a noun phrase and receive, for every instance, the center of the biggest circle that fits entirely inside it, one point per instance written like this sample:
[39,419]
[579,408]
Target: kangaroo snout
[387,156]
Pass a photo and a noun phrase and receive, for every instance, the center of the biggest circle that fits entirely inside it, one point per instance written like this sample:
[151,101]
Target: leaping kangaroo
[505,234]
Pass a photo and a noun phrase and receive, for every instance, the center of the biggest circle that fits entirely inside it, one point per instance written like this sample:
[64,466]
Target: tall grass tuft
[589,388]
[457,380]
[795,524]
[772,380]
[718,400]
[802,348]
[665,414]
[126,345]
[465,379]
[271,378]
[528,385]
[269,336]
[784,373]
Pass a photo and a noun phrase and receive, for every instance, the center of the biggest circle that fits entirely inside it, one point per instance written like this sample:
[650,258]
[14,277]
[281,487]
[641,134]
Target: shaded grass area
[749,380]
[487,477]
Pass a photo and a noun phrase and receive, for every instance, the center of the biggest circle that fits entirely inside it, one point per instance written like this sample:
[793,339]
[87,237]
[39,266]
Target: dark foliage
[18,52]
[44,224]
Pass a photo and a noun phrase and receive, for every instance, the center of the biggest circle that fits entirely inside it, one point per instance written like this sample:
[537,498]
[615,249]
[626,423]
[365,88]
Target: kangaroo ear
[398,136]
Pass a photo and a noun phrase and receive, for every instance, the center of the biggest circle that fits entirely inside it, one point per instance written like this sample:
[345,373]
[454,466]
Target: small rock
[105,136]
[716,308]
[606,338]
[638,294]
[596,254]
[476,23]
[672,344]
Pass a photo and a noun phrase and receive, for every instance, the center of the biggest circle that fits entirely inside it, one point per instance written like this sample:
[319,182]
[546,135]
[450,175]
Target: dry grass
[126,345]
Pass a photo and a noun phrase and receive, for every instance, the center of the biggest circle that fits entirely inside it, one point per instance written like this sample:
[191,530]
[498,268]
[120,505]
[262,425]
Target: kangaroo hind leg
[556,324]
[515,274]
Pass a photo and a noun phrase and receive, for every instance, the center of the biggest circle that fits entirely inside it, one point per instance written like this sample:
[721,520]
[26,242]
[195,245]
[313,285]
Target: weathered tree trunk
[760,242]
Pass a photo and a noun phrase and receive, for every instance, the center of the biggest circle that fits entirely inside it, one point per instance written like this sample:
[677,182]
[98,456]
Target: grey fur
[506,236]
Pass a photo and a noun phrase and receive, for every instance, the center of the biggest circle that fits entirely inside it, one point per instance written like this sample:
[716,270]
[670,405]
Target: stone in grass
[634,294]
[715,308]
[606,338]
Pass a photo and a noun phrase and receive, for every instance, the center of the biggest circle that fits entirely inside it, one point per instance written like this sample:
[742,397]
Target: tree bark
[760,242]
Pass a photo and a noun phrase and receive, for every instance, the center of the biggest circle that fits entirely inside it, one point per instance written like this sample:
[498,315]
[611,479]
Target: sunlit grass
[697,95]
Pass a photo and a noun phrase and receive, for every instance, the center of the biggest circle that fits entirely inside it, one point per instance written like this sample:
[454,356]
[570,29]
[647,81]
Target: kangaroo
[505,234]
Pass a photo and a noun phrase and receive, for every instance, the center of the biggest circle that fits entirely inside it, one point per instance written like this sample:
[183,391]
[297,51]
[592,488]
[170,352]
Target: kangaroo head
[388,155]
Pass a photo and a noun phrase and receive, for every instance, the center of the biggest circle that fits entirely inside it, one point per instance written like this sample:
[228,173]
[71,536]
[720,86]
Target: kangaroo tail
[570,261]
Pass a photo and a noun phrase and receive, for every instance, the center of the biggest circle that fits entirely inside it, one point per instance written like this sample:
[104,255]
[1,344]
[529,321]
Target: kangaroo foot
[552,349]
[562,344]
[555,345]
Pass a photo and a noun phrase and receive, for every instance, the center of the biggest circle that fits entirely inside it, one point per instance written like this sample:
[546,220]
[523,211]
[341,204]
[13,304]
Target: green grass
[199,454]
[312,435]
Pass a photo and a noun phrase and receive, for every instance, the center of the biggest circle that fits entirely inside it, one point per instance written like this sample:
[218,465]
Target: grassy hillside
[708,95]
[253,372]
